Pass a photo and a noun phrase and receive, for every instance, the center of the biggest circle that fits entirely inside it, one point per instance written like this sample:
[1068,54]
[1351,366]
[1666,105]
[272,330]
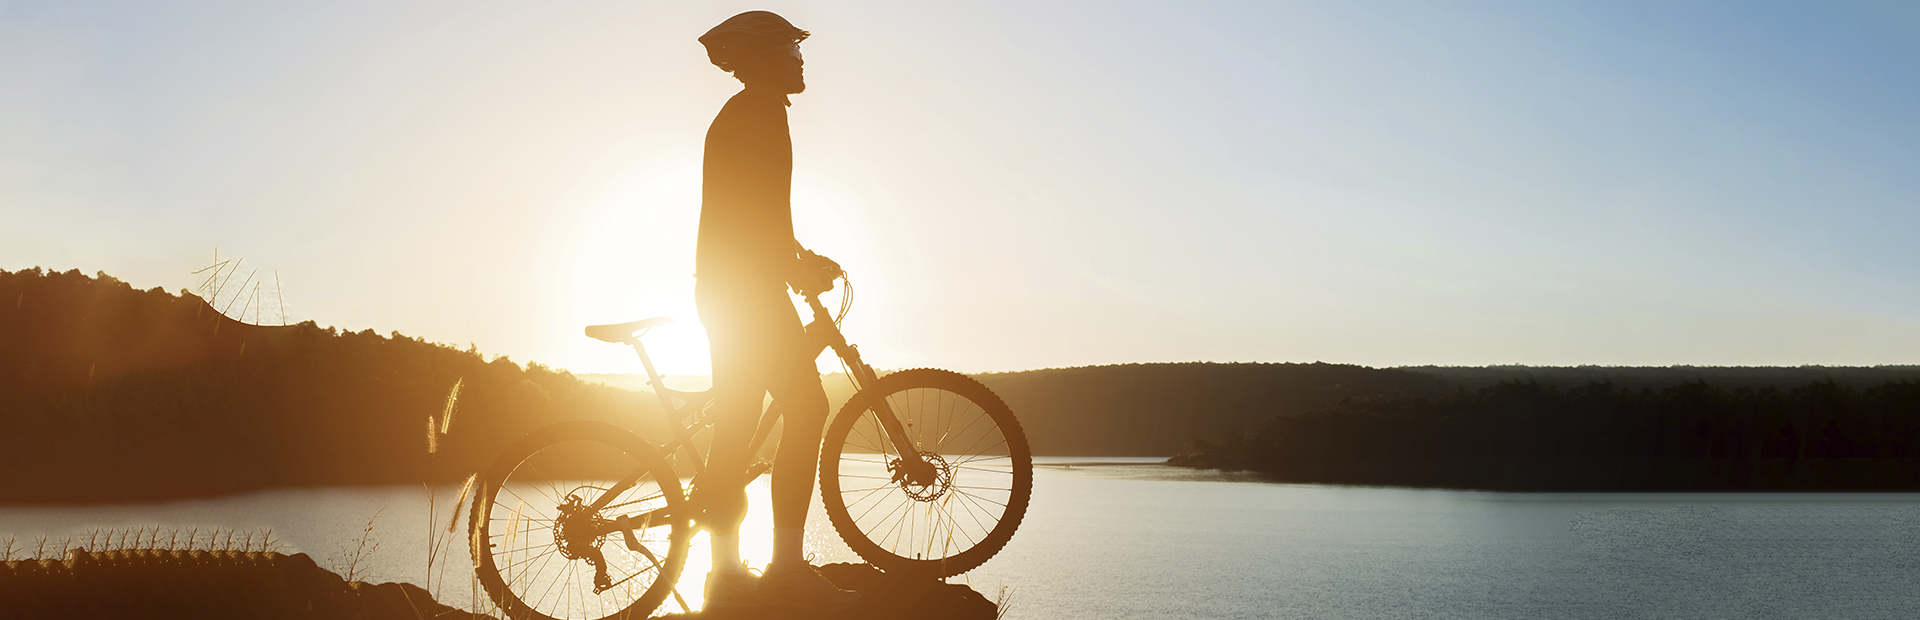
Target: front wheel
[541,549]
[951,511]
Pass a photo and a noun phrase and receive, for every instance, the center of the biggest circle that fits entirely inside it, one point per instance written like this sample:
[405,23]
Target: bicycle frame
[826,336]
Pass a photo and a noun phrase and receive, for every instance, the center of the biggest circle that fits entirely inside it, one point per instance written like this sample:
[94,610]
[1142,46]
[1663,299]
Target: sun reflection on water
[756,546]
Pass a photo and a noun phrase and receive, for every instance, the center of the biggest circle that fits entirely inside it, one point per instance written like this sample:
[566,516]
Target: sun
[635,261]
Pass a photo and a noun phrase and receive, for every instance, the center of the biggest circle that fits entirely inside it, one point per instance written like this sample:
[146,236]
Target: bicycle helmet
[746,34]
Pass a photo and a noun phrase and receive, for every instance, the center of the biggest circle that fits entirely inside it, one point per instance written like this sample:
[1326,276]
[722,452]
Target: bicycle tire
[515,525]
[944,410]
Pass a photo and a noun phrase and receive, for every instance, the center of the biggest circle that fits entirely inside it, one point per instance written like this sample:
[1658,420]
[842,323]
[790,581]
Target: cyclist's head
[760,48]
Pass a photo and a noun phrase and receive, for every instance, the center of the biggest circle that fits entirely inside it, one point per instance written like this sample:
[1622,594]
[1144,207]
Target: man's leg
[789,580]
[736,411]
[771,348]
[739,386]
[803,413]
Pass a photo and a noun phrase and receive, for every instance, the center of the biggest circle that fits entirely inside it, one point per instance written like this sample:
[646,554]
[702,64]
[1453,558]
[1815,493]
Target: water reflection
[1140,541]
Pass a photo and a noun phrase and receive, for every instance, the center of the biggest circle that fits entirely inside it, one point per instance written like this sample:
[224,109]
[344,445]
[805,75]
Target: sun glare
[756,544]
[637,262]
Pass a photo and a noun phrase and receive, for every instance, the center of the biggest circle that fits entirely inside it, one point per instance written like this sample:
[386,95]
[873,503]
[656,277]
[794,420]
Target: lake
[1127,538]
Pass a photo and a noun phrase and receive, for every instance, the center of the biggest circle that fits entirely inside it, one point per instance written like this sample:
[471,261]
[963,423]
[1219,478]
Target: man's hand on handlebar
[816,274]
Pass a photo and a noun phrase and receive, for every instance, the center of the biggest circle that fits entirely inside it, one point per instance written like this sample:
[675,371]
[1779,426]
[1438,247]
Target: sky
[1011,185]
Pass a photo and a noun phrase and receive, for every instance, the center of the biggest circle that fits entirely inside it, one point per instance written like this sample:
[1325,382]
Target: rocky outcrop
[202,585]
[219,585]
[882,596]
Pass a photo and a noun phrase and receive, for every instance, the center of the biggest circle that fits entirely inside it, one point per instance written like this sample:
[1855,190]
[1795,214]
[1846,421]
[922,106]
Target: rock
[882,597]
[202,585]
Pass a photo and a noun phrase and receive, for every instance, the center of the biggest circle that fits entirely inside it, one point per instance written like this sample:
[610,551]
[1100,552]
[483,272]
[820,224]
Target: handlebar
[823,271]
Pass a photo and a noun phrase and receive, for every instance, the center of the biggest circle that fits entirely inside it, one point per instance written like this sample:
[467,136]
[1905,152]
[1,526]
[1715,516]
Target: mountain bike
[922,471]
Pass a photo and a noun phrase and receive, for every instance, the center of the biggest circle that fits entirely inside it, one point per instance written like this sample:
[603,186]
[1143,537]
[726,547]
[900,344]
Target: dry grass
[440,542]
[357,550]
[453,398]
[137,538]
[1002,602]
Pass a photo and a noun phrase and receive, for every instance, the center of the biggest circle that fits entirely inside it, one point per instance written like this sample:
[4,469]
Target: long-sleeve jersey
[746,191]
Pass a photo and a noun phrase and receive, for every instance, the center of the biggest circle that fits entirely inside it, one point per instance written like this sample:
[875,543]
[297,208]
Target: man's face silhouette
[778,70]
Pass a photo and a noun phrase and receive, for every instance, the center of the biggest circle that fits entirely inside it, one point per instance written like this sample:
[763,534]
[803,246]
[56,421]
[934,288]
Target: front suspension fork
[912,467]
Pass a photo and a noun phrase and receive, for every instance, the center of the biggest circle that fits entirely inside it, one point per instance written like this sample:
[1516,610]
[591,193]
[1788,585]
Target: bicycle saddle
[621,332]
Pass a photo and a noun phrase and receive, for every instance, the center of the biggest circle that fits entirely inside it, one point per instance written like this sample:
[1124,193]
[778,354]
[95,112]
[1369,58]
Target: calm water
[1142,541]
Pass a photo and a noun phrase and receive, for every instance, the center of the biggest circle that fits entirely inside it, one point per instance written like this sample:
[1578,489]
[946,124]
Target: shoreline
[255,584]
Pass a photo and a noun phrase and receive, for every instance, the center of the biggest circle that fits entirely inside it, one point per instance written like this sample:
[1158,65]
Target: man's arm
[812,272]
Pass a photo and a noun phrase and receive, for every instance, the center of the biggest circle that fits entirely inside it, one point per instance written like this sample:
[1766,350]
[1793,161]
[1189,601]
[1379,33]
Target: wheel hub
[926,483]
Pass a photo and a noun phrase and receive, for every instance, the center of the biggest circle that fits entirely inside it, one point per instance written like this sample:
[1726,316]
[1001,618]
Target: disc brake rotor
[931,490]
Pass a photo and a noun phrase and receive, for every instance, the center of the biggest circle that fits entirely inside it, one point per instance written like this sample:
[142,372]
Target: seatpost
[653,376]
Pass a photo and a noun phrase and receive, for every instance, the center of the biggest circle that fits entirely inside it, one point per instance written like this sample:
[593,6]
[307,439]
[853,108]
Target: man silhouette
[746,259]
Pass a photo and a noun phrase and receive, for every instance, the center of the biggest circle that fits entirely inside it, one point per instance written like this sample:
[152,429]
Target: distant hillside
[1160,409]
[1596,437]
[1658,377]
[110,393]
[1150,409]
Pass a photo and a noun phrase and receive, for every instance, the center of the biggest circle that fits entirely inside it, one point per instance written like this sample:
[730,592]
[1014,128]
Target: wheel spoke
[863,515]
[996,472]
[983,437]
[976,420]
[976,517]
[952,435]
[982,499]
[905,511]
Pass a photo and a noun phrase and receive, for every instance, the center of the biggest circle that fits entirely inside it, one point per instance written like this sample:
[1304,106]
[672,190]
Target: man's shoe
[728,590]
[802,587]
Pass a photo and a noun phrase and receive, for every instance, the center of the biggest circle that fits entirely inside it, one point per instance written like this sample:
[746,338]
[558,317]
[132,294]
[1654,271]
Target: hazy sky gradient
[1014,184]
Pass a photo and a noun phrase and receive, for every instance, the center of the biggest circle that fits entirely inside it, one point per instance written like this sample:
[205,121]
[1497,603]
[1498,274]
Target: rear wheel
[948,516]
[541,550]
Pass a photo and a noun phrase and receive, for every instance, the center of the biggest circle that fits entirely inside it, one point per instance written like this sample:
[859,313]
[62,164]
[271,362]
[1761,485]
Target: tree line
[1595,436]
[1158,409]
[109,393]
[1568,377]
